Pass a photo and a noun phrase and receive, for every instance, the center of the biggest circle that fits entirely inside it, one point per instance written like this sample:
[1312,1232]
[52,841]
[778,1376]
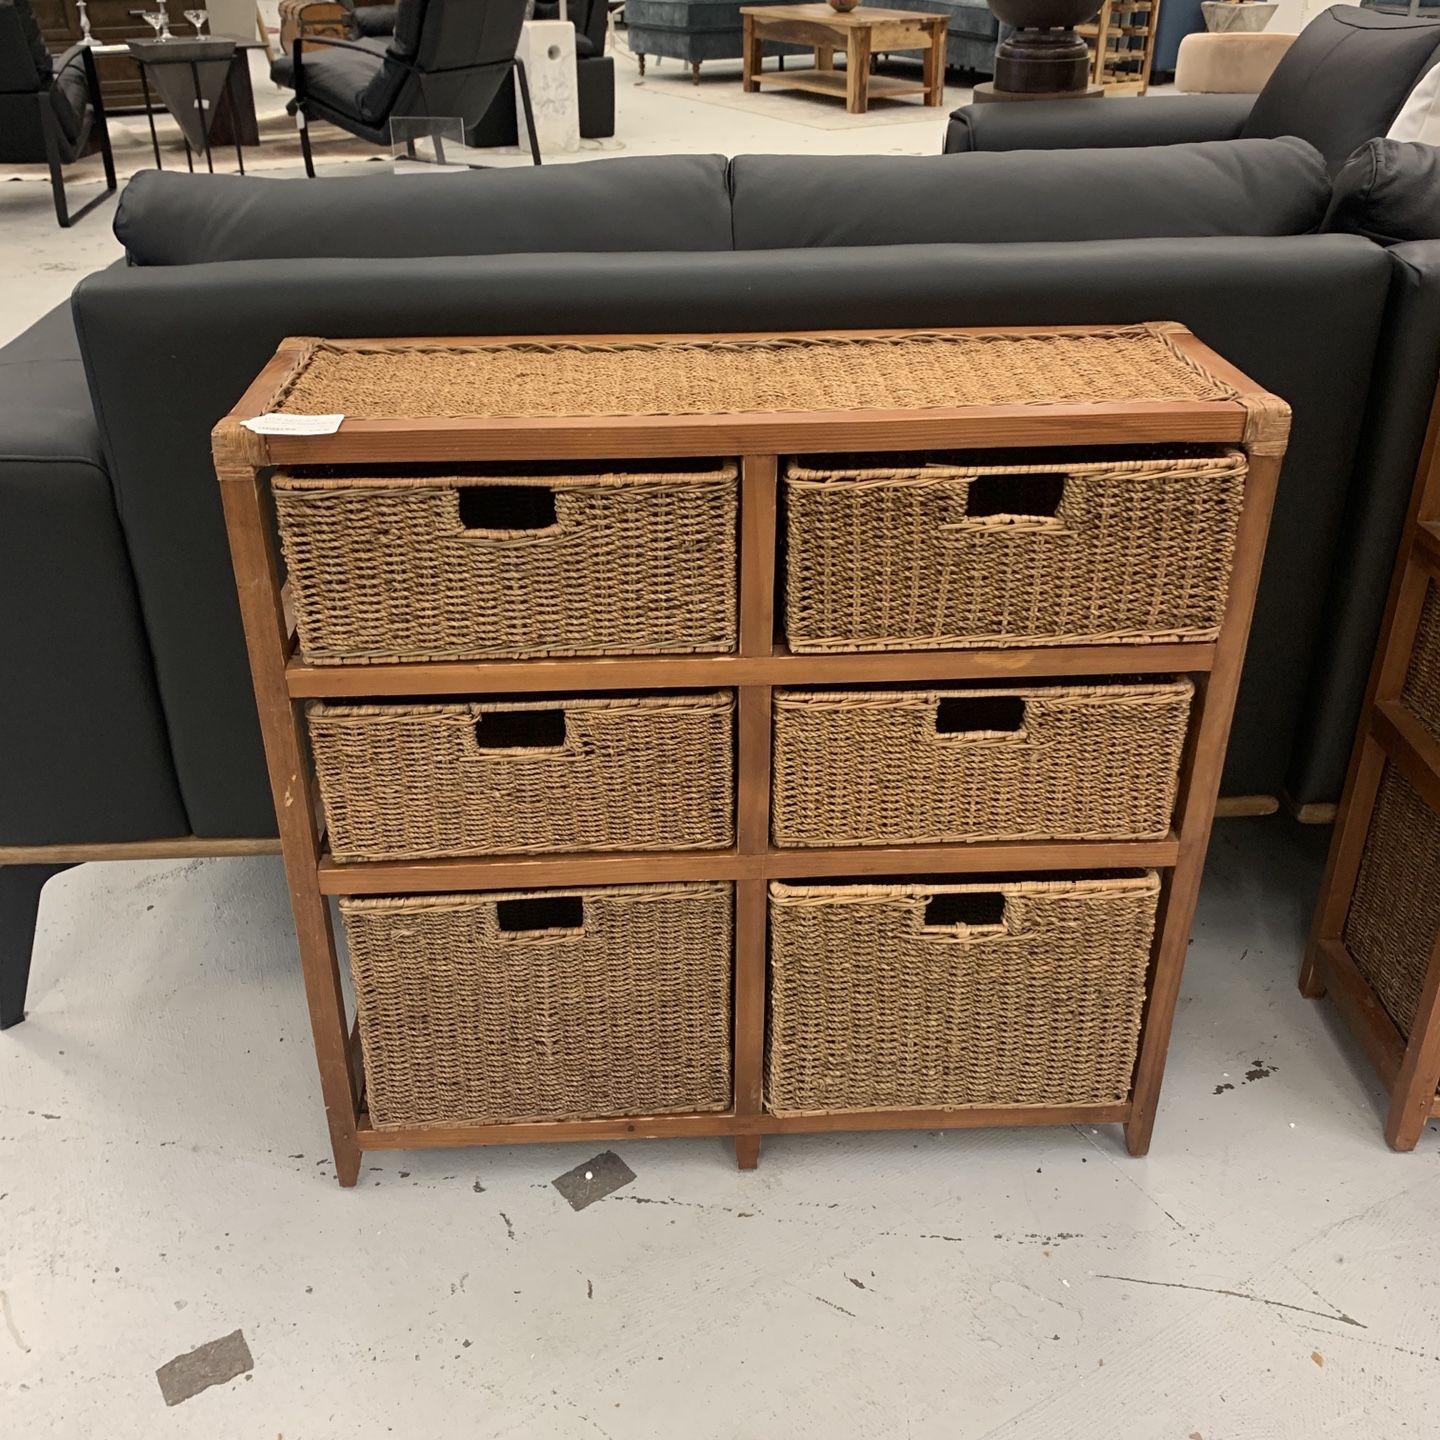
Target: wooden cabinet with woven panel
[1122,45]
[1375,941]
[748,734]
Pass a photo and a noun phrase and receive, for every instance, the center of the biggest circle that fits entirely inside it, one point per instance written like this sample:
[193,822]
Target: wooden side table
[860,33]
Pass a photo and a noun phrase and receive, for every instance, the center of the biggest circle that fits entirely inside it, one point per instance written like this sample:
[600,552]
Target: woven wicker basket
[403,782]
[884,553]
[1032,997]
[465,567]
[1055,763]
[1422,683]
[1394,916]
[467,1015]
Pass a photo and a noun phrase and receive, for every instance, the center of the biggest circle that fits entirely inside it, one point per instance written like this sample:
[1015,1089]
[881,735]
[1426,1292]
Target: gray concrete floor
[1269,1271]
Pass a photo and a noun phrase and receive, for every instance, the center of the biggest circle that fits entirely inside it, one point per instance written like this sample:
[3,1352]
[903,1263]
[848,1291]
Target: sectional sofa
[127,713]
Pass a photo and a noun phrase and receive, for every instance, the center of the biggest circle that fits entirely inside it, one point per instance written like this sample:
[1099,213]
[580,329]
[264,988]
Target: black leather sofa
[1342,82]
[127,711]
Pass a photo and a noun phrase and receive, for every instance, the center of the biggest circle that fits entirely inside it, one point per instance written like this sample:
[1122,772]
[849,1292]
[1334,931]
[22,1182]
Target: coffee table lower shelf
[837,82]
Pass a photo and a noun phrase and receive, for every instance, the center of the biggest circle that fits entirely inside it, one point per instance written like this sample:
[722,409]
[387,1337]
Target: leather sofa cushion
[1344,80]
[694,17]
[24,56]
[671,202]
[337,78]
[965,19]
[373,19]
[1237,187]
[1388,191]
[70,94]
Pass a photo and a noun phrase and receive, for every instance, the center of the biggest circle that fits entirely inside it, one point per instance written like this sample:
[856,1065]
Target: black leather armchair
[594,77]
[445,58]
[51,112]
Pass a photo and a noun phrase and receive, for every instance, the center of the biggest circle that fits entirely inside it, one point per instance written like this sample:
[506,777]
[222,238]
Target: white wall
[1294,15]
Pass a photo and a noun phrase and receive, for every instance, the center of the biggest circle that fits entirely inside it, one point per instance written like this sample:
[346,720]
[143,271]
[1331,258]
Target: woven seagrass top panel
[756,375]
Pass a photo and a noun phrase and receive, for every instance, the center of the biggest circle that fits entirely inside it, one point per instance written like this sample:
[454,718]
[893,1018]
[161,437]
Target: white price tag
[294,424]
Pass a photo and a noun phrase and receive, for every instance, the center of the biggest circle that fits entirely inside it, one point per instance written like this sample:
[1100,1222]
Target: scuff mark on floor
[10,1324]
[1240,1295]
[509,1228]
[834,1306]
[215,1363]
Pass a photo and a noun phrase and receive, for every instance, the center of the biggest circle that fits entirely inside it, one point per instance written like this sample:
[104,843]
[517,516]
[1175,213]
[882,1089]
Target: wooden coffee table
[860,33]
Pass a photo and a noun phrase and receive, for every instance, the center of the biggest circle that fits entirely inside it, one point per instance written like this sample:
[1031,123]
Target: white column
[547,49]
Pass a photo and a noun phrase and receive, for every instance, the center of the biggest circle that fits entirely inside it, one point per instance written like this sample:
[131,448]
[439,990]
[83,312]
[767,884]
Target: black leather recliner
[51,112]
[445,58]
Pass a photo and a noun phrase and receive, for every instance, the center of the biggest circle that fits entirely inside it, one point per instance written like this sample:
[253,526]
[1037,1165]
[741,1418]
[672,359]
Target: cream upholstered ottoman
[1235,62]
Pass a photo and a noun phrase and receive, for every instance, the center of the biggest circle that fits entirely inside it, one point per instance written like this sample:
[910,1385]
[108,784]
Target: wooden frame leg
[857,71]
[694,72]
[1312,987]
[20,887]
[934,71]
[266,633]
[1412,1101]
[1210,729]
[747,1151]
[750,47]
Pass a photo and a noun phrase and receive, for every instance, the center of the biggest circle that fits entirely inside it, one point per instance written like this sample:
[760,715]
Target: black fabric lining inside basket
[1039,494]
[544,912]
[983,907]
[520,729]
[961,714]
[506,507]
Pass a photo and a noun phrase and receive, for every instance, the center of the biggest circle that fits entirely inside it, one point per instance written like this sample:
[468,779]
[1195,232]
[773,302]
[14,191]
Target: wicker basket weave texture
[405,782]
[870,1009]
[885,555]
[462,1022]
[872,768]
[385,569]
[750,374]
[1422,683]
[1394,917]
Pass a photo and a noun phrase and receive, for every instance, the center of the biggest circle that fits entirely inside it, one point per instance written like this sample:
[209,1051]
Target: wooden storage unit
[1122,45]
[1375,941]
[1056,402]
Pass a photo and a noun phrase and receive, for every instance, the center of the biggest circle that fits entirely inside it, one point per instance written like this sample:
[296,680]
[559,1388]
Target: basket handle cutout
[496,509]
[980,714]
[545,913]
[1029,497]
[520,730]
[979,910]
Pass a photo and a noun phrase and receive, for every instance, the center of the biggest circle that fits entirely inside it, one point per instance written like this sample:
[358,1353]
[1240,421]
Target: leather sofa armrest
[372,20]
[1096,124]
[84,751]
